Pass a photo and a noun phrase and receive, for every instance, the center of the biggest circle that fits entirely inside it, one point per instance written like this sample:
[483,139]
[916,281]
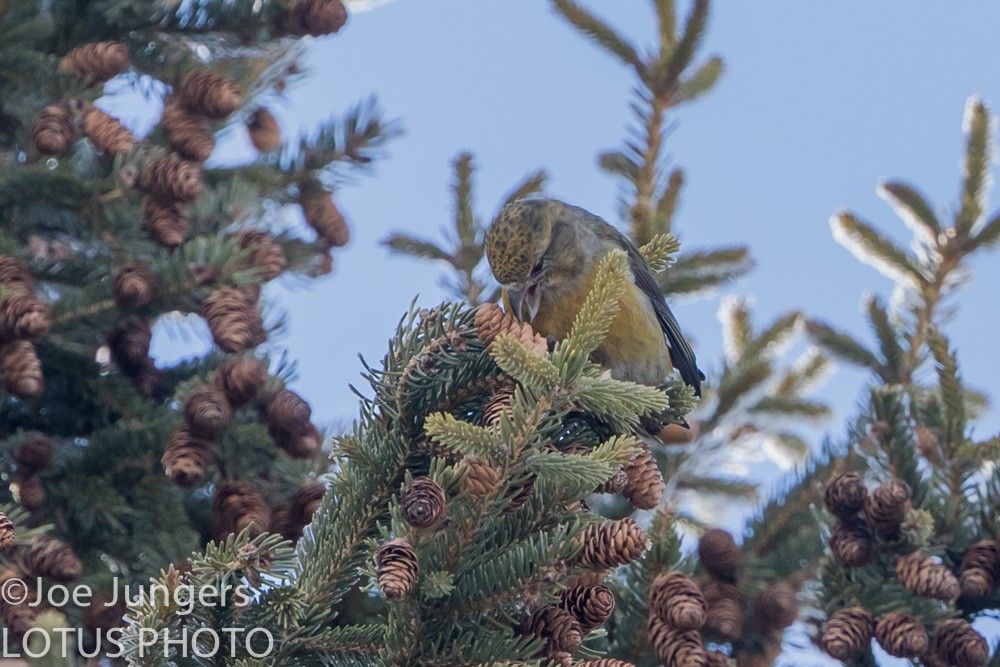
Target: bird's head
[525,253]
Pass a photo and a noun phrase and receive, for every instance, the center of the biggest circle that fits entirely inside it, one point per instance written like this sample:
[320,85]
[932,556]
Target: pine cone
[21,369]
[845,495]
[958,644]
[265,135]
[317,17]
[612,543]
[851,543]
[103,614]
[134,285]
[398,567]
[7,533]
[604,662]
[129,345]
[323,216]
[481,478]
[167,224]
[924,575]
[980,569]
[500,403]
[238,505]
[491,321]
[615,484]
[28,490]
[902,635]
[23,317]
[776,606]
[304,443]
[519,490]
[423,502]
[886,508]
[558,627]
[287,411]
[188,134]
[590,605]
[54,130]
[207,93]
[19,617]
[305,501]
[241,379]
[34,454]
[716,659]
[106,132]
[233,319]
[207,411]
[673,647]
[720,555]
[848,633]
[49,557]
[96,62]
[725,610]
[186,457]
[170,180]
[15,277]
[678,601]
[265,254]
[645,484]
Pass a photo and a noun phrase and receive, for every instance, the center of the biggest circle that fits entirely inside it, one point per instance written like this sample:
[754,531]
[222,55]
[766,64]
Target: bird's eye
[537,267]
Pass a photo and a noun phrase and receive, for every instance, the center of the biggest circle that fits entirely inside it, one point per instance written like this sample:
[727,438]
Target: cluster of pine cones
[24,320]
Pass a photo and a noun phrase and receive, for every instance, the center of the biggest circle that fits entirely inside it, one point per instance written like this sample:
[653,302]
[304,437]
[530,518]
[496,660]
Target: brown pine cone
[491,321]
[15,277]
[590,605]
[719,554]
[103,614]
[301,444]
[398,568]
[265,254]
[604,662]
[558,627]
[423,502]
[776,606]
[54,130]
[645,484]
[7,533]
[924,575]
[28,490]
[612,543]
[19,617]
[34,454]
[848,633]
[106,132]
[851,543]
[96,62]
[481,478]
[886,508]
[673,647]
[187,133]
[725,610]
[305,501]
[287,411]
[167,224]
[21,369]
[186,457]
[129,345]
[134,285]
[210,94]
[207,411]
[980,569]
[241,379]
[265,135]
[518,491]
[678,601]
[716,659]
[324,216]
[170,179]
[501,403]
[233,319]
[902,635]
[238,505]
[958,644]
[23,317]
[845,494]
[615,484]
[49,557]
[317,17]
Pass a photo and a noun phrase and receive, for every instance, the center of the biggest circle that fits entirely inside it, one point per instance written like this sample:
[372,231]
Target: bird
[545,254]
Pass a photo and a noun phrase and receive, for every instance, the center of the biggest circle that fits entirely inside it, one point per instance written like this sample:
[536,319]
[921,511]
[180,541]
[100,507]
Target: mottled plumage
[545,253]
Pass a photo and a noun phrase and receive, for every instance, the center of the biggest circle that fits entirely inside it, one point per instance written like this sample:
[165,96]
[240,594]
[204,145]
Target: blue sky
[819,102]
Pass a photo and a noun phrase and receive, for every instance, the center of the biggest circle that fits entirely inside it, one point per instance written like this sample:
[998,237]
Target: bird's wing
[681,354]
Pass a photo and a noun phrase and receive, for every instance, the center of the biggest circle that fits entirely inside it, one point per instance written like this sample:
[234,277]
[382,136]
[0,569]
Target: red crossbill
[545,254]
